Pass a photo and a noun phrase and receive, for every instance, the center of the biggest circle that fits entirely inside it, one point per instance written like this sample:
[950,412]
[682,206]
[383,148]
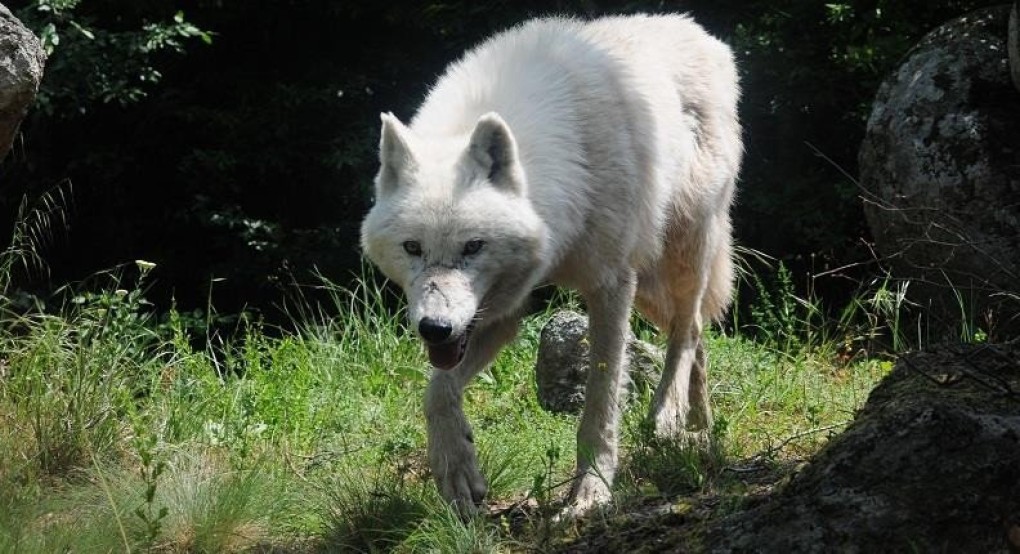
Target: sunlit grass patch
[314,439]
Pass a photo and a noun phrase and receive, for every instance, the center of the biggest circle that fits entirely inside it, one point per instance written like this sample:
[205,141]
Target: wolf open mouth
[447,355]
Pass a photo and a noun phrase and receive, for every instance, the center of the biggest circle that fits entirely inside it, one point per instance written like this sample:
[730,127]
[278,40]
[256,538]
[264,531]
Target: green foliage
[74,373]
[776,312]
[91,61]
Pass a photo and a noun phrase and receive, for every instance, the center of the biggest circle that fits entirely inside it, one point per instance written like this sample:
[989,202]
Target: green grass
[117,434]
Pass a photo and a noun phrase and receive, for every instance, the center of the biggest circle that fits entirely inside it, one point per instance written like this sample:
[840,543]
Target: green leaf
[84,31]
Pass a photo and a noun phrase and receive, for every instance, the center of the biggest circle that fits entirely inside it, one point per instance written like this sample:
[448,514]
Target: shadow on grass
[373,515]
[673,466]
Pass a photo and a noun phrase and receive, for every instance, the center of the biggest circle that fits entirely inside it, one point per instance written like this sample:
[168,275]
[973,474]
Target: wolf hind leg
[671,402]
[451,450]
[712,304]
[597,435]
[681,402]
[674,298]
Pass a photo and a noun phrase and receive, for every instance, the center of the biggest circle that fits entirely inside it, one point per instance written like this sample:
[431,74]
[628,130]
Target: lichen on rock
[941,166]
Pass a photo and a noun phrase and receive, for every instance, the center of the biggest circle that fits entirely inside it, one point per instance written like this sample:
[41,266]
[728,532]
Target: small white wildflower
[120,292]
[145,266]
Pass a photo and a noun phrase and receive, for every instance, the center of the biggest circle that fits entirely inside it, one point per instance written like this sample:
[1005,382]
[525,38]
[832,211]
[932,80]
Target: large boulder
[941,166]
[21,69]
[561,370]
[931,464]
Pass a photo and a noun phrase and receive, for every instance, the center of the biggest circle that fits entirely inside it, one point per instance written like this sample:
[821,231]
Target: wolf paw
[669,421]
[455,468]
[673,430]
[589,492]
[669,428]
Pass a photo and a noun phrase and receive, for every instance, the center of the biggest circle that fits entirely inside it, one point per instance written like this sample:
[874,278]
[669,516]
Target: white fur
[597,155]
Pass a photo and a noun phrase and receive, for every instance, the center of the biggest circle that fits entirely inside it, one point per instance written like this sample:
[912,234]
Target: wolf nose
[434,330]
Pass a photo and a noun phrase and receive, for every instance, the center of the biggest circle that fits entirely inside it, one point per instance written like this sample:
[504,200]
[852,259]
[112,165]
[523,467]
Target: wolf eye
[412,247]
[472,247]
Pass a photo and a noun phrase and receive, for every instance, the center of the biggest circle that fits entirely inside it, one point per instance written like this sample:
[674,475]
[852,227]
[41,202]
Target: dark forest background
[233,142]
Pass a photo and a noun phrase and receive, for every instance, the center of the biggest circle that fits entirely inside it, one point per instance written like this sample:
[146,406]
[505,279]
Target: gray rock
[941,165]
[562,367]
[931,464]
[21,69]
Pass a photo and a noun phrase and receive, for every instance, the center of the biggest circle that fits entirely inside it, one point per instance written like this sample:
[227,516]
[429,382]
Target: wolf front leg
[598,434]
[451,448]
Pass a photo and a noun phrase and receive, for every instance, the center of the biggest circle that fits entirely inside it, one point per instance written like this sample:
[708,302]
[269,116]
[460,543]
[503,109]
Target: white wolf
[596,155]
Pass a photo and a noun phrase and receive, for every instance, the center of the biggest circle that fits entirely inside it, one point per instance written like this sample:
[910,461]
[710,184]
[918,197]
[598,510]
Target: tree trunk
[1014,43]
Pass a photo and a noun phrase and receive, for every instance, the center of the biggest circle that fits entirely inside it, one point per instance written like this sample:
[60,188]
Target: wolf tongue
[444,356]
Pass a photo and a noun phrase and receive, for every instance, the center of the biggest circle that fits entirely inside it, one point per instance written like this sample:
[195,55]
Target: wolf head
[453,226]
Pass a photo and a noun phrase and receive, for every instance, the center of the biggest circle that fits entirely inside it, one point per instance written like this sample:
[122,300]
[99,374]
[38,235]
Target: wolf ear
[395,157]
[493,151]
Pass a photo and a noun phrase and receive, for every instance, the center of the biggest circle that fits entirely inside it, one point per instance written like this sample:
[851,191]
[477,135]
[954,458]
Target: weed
[543,484]
[33,224]
[152,467]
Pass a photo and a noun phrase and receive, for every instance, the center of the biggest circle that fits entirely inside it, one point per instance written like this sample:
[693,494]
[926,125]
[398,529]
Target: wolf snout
[434,330]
